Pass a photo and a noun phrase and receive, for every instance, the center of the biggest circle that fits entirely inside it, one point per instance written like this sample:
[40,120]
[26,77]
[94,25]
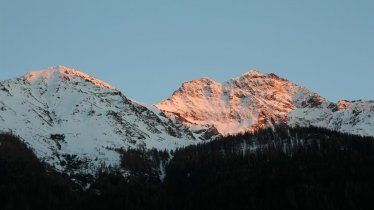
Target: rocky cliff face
[255,100]
[247,103]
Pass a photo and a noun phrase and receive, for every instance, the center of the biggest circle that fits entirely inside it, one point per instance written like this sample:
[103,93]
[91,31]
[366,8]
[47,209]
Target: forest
[274,168]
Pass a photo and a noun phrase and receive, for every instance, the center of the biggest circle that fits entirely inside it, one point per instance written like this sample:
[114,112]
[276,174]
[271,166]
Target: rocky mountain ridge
[256,100]
[77,123]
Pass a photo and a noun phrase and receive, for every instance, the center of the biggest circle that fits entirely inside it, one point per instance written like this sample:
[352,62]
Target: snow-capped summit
[246,103]
[343,105]
[71,119]
[250,102]
[53,74]
[66,115]
[252,73]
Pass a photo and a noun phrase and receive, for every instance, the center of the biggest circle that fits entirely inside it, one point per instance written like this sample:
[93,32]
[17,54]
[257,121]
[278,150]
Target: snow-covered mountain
[255,100]
[76,123]
[70,118]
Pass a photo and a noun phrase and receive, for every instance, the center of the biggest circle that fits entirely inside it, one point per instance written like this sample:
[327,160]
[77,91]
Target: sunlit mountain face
[69,116]
[257,141]
[63,113]
[255,100]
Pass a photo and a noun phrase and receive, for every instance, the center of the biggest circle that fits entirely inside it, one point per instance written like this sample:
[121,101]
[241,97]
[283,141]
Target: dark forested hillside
[26,183]
[302,168]
[281,168]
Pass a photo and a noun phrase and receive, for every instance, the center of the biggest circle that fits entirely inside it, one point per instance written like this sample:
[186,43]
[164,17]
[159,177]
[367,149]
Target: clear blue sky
[148,48]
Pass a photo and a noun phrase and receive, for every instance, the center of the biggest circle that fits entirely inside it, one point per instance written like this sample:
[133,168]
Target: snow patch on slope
[354,117]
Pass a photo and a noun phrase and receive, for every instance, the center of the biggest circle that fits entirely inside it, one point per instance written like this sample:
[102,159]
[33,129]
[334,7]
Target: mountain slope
[76,122]
[354,117]
[246,103]
[255,100]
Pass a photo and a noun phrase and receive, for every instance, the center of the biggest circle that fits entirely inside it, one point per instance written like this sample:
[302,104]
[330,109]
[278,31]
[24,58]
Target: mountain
[77,123]
[255,100]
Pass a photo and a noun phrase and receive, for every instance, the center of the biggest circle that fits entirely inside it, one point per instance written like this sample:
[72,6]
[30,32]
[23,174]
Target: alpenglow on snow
[62,113]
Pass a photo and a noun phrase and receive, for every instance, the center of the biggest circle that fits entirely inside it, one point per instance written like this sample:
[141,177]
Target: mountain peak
[343,104]
[253,73]
[246,103]
[63,72]
[66,115]
[205,80]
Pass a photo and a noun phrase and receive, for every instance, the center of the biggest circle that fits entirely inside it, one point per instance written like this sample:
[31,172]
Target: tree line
[274,168]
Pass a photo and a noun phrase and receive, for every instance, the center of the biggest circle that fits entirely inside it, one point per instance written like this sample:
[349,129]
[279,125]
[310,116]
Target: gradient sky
[148,48]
